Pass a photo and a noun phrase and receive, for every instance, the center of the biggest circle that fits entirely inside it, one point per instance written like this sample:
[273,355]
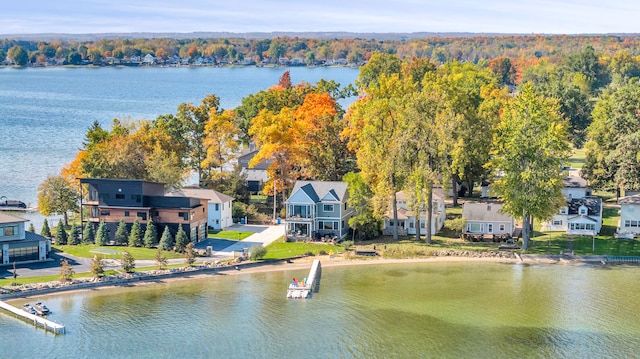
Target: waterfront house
[256,175]
[582,214]
[111,200]
[149,59]
[18,245]
[407,218]
[486,217]
[629,224]
[220,205]
[318,210]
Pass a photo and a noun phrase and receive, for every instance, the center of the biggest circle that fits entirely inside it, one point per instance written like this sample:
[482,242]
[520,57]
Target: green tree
[257,252]
[189,254]
[74,235]
[181,240]
[122,233]
[56,195]
[88,234]
[18,55]
[150,235]
[160,259]
[530,146]
[61,234]
[587,64]
[135,235]
[74,58]
[66,271]
[379,65]
[128,262]
[102,234]
[45,231]
[32,229]
[166,242]
[363,222]
[97,267]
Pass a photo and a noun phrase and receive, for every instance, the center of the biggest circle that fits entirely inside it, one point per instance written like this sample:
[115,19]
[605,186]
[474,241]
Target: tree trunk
[470,187]
[526,227]
[418,226]
[66,219]
[394,206]
[454,190]
[429,214]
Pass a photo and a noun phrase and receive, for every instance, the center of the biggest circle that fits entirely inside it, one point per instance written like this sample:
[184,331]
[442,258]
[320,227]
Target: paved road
[223,249]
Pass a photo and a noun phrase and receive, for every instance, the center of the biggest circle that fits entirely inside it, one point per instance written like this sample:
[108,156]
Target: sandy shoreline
[294,264]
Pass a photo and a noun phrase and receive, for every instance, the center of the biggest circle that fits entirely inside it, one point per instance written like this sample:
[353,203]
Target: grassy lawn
[83,250]
[281,249]
[578,158]
[230,234]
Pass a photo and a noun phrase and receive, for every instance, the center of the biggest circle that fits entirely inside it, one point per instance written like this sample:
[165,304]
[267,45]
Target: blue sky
[499,16]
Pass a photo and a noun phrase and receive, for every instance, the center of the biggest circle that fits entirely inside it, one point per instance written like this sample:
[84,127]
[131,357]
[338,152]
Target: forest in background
[520,49]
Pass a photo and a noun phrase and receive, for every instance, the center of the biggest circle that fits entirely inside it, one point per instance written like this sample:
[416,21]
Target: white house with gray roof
[582,214]
[407,217]
[486,217]
[219,205]
[629,224]
[18,245]
[318,210]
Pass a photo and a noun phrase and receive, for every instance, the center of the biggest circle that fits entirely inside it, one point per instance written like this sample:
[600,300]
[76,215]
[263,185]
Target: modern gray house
[318,210]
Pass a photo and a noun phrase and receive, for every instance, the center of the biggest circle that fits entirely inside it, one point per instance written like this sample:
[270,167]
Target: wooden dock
[306,289]
[37,321]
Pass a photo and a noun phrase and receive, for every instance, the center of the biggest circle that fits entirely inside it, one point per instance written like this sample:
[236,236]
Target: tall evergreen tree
[166,242]
[181,240]
[122,233]
[97,267]
[150,235]
[102,235]
[88,234]
[128,262]
[189,254]
[135,236]
[74,235]
[61,234]
[32,229]
[45,231]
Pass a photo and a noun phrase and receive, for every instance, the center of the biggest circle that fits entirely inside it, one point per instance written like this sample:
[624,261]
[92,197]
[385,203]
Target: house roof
[635,199]
[574,182]
[319,189]
[7,218]
[212,196]
[30,236]
[593,205]
[485,211]
[243,161]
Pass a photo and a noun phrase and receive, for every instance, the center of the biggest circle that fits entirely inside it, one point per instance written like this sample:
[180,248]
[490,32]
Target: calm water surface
[428,310]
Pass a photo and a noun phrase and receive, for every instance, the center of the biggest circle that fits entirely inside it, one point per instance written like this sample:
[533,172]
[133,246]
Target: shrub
[128,262]
[257,252]
[309,253]
[322,252]
[66,271]
[456,224]
[189,254]
[161,259]
[346,245]
[97,267]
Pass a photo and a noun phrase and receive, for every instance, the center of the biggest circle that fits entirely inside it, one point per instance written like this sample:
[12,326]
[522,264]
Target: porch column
[5,254]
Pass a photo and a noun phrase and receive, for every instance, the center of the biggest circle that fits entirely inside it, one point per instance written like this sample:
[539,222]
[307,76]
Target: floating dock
[37,321]
[307,287]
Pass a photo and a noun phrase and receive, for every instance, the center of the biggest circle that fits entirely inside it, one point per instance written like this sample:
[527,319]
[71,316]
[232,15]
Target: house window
[126,213]
[105,212]
[563,210]
[627,223]
[475,227]
[502,227]
[411,224]
[119,196]
[155,213]
[142,215]
[327,208]
[345,205]
[217,207]
[184,215]
[422,225]
[136,197]
[582,226]
[320,224]
[490,228]
[8,231]
[557,223]
[583,210]
[217,221]
[335,225]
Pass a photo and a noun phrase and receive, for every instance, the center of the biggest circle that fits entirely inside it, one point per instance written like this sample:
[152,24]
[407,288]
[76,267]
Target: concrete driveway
[262,235]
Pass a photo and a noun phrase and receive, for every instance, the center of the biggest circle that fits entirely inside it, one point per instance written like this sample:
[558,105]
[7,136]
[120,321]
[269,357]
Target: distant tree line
[314,51]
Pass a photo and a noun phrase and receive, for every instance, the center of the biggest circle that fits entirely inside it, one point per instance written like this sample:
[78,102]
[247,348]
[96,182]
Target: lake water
[426,310]
[45,112]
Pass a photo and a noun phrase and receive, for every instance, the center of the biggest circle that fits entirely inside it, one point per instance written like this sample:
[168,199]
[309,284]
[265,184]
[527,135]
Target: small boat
[11,204]
[29,309]
[41,309]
